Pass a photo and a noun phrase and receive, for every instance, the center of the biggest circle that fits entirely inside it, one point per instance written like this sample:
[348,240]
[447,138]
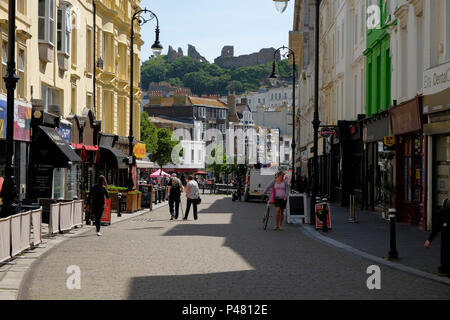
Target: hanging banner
[22,121]
[65,131]
[2,119]
[139,150]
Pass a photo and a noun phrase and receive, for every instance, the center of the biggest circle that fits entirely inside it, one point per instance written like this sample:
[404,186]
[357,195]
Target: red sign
[319,224]
[106,217]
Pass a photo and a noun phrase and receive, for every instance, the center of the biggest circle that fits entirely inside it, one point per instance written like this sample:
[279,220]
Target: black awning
[114,157]
[50,148]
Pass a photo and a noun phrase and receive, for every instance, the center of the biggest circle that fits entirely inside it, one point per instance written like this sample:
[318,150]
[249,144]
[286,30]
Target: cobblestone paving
[225,254]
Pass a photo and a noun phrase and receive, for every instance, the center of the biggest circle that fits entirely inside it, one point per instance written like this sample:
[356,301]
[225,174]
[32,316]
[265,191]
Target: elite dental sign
[437,79]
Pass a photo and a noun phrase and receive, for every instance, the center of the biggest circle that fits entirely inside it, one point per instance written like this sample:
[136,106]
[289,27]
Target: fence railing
[23,231]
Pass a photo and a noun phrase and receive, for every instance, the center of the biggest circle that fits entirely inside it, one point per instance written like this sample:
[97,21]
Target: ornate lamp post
[157,49]
[281,5]
[11,204]
[273,79]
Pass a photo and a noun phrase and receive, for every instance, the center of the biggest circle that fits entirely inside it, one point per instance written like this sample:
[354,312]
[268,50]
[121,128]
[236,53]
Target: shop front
[375,129]
[22,139]
[437,108]
[410,145]
[55,166]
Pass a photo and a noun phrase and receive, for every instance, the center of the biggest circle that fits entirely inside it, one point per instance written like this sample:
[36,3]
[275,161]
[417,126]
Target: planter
[132,202]
[139,201]
[114,201]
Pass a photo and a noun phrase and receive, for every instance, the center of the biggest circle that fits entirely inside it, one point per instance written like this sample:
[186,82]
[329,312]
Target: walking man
[192,195]
[97,200]
[174,195]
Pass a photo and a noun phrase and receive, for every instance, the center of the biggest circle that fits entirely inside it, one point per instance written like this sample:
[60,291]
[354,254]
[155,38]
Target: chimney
[244,101]
[231,102]
[156,97]
[179,97]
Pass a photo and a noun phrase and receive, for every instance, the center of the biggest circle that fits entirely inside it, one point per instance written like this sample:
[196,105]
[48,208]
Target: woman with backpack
[174,195]
[192,195]
[280,192]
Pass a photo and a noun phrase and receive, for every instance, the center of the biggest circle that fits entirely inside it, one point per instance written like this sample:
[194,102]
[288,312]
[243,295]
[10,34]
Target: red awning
[77,146]
[91,148]
[201,172]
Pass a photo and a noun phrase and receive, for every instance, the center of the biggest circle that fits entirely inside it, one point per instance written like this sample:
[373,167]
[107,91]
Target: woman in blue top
[281,187]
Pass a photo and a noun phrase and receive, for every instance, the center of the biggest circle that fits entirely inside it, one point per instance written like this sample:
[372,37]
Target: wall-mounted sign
[327,132]
[22,121]
[389,141]
[65,131]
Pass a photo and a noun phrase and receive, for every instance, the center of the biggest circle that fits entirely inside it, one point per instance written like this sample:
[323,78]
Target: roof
[167,121]
[207,102]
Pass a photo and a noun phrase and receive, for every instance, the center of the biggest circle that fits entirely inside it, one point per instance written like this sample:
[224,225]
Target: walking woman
[192,195]
[280,191]
[97,200]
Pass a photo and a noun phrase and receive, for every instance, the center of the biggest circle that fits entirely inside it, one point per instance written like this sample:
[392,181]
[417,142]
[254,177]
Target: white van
[257,181]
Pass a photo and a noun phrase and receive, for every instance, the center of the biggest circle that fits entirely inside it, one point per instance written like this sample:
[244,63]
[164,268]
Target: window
[74,42]
[50,96]
[201,112]
[74,100]
[46,21]
[199,156]
[21,74]
[21,6]
[192,156]
[4,64]
[222,128]
[89,54]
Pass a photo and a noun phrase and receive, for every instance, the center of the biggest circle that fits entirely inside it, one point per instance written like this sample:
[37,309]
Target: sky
[209,25]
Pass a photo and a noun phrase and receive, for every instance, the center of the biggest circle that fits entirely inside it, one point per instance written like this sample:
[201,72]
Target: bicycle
[266,215]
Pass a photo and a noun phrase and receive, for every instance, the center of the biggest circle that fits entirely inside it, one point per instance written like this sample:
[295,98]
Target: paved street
[225,254]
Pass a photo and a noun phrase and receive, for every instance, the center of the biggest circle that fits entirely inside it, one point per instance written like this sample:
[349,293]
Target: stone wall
[227,60]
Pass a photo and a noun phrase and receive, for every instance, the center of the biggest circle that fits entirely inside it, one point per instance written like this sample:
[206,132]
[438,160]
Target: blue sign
[2,119]
[64,131]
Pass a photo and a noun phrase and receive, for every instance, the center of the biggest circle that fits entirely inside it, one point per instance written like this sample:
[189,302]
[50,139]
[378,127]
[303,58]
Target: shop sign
[65,131]
[2,119]
[139,150]
[327,132]
[436,79]
[389,141]
[406,117]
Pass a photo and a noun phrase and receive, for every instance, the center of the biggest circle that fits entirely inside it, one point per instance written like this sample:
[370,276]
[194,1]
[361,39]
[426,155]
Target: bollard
[119,195]
[352,218]
[393,254]
[324,215]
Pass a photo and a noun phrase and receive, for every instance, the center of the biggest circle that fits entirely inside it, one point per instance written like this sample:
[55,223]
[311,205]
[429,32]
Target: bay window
[46,24]
[63,29]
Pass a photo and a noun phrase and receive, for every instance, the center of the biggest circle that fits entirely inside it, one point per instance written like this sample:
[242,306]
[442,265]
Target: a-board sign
[297,207]
[106,216]
[319,223]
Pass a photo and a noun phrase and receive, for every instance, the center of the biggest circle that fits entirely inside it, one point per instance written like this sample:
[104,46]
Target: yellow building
[55,58]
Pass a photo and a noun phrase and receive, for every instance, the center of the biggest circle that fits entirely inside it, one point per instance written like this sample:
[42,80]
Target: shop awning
[51,148]
[144,164]
[114,157]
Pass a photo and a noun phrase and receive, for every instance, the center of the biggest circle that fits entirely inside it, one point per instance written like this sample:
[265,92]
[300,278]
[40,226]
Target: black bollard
[393,254]
[324,215]
[120,205]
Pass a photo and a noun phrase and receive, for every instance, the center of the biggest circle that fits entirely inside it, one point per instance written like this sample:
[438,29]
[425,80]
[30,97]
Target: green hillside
[209,78]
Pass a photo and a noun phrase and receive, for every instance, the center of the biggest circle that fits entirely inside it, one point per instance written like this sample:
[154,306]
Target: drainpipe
[94,76]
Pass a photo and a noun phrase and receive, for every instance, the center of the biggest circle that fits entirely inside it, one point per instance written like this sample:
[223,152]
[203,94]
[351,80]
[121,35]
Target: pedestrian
[174,195]
[192,195]
[239,188]
[280,190]
[441,225]
[97,197]
[183,180]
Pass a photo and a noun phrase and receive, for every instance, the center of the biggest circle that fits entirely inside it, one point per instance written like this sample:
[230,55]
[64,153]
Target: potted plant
[132,200]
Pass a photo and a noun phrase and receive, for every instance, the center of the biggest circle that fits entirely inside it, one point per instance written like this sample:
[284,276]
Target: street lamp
[9,192]
[281,5]
[157,49]
[273,80]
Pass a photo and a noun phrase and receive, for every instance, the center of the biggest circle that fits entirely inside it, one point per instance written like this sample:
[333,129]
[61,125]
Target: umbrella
[158,173]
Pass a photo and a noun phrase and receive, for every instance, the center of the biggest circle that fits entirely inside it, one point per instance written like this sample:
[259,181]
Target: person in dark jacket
[174,196]
[441,225]
[97,197]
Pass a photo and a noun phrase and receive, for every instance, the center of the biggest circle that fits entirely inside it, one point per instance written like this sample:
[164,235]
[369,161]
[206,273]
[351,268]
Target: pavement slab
[225,254]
